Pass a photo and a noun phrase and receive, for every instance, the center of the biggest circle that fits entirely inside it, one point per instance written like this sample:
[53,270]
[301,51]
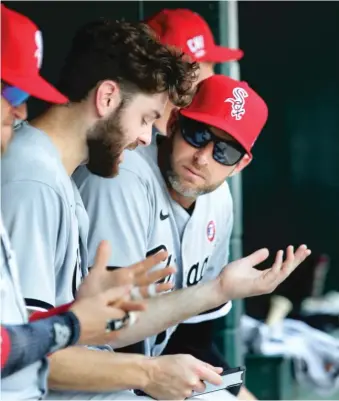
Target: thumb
[102,256]
[258,256]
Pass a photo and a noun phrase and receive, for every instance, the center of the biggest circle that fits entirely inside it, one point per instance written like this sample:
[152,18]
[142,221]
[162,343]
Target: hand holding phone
[230,378]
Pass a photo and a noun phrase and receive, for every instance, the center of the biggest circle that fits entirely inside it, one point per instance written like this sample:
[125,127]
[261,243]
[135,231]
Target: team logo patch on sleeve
[211,231]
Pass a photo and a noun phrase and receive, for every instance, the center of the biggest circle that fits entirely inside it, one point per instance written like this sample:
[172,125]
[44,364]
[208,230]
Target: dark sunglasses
[13,95]
[196,134]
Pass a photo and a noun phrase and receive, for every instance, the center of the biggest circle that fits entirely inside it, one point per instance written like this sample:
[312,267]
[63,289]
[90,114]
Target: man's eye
[144,122]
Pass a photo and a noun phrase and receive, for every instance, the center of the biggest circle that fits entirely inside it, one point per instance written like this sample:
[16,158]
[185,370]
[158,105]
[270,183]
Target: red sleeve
[52,312]
[5,346]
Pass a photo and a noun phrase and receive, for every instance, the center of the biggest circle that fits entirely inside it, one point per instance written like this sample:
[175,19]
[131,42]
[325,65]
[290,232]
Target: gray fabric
[30,382]
[135,212]
[44,216]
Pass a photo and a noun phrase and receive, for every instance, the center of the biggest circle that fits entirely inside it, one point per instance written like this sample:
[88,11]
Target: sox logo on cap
[238,103]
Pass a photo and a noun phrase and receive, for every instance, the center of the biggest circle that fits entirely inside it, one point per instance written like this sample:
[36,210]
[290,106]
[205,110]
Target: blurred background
[290,192]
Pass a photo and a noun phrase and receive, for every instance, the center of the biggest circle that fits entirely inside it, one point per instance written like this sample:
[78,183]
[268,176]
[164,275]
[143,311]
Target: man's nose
[203,155]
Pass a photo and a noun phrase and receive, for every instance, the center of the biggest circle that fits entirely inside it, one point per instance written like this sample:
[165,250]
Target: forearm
[83,369]
[28,343]
[170,309]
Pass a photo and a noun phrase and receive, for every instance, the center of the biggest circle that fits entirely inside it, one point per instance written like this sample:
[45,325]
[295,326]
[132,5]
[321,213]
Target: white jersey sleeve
[33,216]
[119,213]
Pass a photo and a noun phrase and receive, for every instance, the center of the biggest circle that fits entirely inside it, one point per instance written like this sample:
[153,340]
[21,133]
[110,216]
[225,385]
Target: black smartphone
[231,378]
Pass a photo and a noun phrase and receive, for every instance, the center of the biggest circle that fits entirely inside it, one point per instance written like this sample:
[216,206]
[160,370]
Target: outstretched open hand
[240,279]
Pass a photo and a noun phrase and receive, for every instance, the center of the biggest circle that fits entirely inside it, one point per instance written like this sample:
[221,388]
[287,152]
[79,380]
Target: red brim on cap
[35,86]
[220,54]
[217,122]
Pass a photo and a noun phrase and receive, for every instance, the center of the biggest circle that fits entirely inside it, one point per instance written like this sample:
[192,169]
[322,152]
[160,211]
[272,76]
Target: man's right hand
[95,312]
[145,276]
[175,377]
[102,277]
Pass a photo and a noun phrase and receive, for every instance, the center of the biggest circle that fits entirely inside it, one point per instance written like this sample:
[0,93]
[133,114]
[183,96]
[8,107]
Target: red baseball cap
[21,57]
[231,106]
[189,32]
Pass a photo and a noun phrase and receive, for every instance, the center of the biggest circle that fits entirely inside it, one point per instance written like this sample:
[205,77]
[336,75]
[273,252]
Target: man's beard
[177,184]
[174,180]
[106,145]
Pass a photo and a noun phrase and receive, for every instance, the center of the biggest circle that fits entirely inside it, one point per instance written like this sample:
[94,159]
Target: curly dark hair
[129,54]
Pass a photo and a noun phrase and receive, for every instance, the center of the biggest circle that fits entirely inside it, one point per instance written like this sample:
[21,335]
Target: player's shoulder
[141,162]
[142,165]
[32,158]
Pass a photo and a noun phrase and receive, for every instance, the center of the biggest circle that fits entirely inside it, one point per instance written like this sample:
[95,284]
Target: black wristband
[33,341]
[66,330]
[74,323]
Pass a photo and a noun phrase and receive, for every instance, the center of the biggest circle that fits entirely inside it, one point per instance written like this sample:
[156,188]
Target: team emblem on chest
[211,231]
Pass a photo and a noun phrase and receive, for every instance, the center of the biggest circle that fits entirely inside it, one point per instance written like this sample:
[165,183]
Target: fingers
[115,313]
[115,294]
[151,290]
[148,291]
[199,386]
[258,256]
[152,277]
[120,276]
[293,260]
[215,368]
[102,255]
[209,375]
[129,306]
[148,263]
[164,287]
[302,253]
[278,262]
[281,270]
[290,254]
[128,303]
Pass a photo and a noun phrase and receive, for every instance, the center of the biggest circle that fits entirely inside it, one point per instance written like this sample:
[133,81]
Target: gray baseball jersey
[30,382]
[135,212]
[45,219]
